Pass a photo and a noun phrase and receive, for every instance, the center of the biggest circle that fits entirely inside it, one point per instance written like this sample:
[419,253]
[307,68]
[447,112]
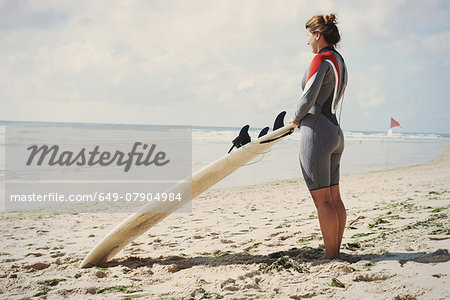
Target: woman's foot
[325,257]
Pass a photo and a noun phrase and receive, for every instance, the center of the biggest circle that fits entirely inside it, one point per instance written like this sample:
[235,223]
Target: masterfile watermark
[102,197]
[114,168]
[94,157]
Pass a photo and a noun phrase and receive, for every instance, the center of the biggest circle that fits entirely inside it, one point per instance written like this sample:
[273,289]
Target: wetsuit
[321,138]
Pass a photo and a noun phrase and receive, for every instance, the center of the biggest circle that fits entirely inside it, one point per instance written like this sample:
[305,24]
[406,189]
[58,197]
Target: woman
[321,138]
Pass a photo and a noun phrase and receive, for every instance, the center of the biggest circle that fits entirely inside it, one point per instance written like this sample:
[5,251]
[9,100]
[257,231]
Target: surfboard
[154,212]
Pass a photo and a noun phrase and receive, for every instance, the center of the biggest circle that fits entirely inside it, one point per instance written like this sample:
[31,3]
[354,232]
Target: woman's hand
[292,121]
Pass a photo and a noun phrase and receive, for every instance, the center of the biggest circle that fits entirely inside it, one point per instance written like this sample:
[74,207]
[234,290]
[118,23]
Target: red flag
[394,123]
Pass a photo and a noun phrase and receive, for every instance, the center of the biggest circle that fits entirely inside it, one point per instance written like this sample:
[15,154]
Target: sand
[251,242]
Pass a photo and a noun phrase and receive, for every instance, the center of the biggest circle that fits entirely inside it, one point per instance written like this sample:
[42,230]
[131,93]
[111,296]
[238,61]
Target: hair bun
[330,19]
[326,25]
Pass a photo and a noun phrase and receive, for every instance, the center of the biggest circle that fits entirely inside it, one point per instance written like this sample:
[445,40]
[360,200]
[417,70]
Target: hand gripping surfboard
[154,212]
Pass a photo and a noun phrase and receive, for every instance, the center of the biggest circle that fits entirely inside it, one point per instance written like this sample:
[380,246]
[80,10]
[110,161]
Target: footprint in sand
[373,277]
[237,233]
[54,254]
[276,233]
[225,241]
[229,285]
[35,254]
[37,266]
[8,260]
[43,248]
[285,237]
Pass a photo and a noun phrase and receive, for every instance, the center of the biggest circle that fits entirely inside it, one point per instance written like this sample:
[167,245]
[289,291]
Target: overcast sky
[219,63]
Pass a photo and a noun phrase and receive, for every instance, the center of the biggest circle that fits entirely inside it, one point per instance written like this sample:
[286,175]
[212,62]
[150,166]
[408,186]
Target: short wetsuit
[321,138]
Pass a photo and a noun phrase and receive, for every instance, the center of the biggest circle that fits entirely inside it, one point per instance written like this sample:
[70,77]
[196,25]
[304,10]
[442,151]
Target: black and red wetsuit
[321,138]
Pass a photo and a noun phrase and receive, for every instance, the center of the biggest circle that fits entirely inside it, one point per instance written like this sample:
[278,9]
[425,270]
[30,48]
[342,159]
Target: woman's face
[312,40]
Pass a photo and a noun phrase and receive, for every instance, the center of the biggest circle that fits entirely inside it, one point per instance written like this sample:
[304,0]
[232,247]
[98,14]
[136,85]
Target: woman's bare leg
[340,209]
[328,220]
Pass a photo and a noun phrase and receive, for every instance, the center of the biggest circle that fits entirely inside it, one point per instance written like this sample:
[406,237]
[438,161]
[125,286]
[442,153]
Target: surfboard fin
[263,132]
[279,121]
[242,139]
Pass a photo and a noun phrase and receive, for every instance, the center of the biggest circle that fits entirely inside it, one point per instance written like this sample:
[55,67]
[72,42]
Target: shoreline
[444,148]
[282,163]
[250,242]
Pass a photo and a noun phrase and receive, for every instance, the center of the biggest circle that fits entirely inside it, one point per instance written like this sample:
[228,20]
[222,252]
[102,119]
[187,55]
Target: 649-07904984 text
[101,197]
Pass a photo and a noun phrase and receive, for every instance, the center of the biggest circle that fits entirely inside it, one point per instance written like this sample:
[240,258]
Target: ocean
[364,151]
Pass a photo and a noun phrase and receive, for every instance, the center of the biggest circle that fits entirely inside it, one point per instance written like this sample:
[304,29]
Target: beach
[250,242]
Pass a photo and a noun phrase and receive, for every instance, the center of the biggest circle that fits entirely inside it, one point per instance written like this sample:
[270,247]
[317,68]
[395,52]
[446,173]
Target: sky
[219,63]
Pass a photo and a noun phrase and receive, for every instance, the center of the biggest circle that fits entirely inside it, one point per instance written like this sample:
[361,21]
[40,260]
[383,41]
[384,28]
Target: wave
[211,134]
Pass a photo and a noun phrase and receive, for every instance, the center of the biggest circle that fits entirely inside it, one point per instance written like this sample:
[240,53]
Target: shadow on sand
[299,255]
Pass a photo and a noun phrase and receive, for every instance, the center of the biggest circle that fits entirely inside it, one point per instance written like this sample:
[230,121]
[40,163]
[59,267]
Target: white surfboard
[153,212]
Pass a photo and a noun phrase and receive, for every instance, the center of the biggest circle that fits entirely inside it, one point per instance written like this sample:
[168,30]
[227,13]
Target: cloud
[19,14]
[377,69]
[164,51]
[366,89]
[211,62]
[426,49]
[364,24]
